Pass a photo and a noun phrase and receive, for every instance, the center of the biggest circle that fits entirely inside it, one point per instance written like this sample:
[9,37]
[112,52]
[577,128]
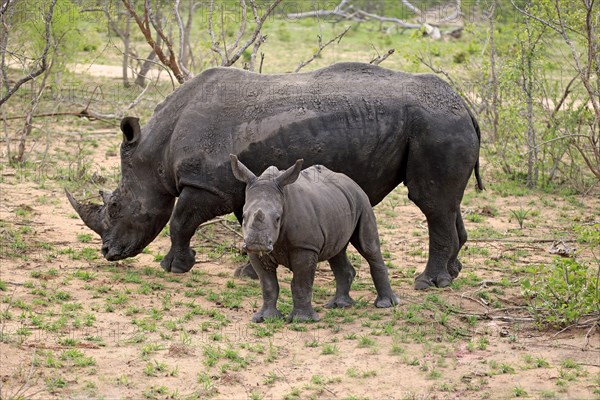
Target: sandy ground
[76,326]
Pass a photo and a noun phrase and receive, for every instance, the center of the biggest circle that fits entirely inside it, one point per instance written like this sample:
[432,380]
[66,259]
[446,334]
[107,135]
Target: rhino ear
[130,126]
[240,171]
[290,175]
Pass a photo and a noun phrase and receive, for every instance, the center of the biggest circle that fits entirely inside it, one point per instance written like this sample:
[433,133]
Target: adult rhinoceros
[377,126]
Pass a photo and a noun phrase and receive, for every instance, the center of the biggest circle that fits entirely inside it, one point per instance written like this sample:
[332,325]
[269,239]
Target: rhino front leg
[270,289]
[246,270]
[190,211]
[303,264]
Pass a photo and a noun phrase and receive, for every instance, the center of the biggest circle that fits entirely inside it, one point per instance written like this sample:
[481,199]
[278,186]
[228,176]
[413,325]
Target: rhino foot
[301,315]
[387,301]
[266,313]
[179,262]
[424,281]
[340,301]
[245,271]
[454,268]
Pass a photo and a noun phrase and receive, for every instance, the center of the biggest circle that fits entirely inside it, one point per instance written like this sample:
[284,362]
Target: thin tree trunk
[140,80]
[126,51]
[528,81]
[493,77]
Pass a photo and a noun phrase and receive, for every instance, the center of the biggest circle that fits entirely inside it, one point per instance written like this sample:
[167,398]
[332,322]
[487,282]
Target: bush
[562,293]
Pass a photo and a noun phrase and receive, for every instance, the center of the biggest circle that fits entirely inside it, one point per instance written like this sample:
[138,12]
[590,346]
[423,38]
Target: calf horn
[91,214]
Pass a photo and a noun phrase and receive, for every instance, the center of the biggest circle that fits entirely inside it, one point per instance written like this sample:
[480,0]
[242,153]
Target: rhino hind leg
[245,271]
[344,274]
[443,243]
[366,240]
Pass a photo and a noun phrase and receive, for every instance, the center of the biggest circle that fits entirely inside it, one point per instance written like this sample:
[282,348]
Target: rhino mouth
[116,253]
[258,248]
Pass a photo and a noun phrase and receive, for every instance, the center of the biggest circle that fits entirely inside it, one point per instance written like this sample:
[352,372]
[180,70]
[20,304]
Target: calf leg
[267,274]
[246,270]
[454,265]
[303,264]
[344,275]
[366,240]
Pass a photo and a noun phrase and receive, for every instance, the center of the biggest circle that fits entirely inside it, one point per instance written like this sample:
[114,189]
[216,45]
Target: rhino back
[351,117]
[321,211]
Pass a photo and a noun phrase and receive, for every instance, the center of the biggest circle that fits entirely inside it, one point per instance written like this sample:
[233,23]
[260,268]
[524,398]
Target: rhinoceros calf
[297,219]
[377,126]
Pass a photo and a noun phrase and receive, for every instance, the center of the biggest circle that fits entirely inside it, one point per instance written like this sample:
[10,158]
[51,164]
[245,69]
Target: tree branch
[259,24]
[181,40]
[381,58]
[44,59]
[214,44]
[321,47]
[144,26]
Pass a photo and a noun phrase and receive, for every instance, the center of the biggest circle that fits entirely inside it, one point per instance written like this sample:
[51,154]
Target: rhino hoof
[303,316]
[454,268]
[177,262]
[387,301]
[264,314]
[424,282]
[340,302]
[245,271]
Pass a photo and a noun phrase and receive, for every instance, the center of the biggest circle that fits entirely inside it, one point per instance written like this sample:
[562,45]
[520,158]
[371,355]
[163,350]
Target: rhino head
[134,214]
[264,204]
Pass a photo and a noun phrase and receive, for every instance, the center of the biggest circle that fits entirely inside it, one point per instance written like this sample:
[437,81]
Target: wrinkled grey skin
[377,126]
[297,219]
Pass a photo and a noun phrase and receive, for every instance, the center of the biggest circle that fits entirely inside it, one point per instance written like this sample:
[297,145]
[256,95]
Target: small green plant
[520,215]
[519,392]
[84,237]
[330,349]
[561,293]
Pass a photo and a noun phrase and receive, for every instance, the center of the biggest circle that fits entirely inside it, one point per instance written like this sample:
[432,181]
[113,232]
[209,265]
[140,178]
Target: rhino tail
[480,186]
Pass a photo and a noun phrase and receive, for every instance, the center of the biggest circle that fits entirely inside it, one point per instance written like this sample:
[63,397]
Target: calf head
[264,204]
[132,215]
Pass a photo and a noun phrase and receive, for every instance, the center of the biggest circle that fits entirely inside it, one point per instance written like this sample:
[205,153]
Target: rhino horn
[91,214]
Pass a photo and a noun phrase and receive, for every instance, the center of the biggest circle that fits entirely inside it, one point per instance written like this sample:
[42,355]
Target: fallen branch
[521,241]
[367,16]
[337,11]
[91,115]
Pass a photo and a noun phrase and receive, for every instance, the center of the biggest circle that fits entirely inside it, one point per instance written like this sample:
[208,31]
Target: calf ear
[240,171]
[290,175]
[130,126]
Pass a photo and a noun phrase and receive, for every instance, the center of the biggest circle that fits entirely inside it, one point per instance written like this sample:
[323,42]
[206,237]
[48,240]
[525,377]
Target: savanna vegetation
[522,319]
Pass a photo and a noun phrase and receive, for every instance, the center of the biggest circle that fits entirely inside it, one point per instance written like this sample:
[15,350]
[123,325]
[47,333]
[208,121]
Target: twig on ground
[224,223]
[589,333]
